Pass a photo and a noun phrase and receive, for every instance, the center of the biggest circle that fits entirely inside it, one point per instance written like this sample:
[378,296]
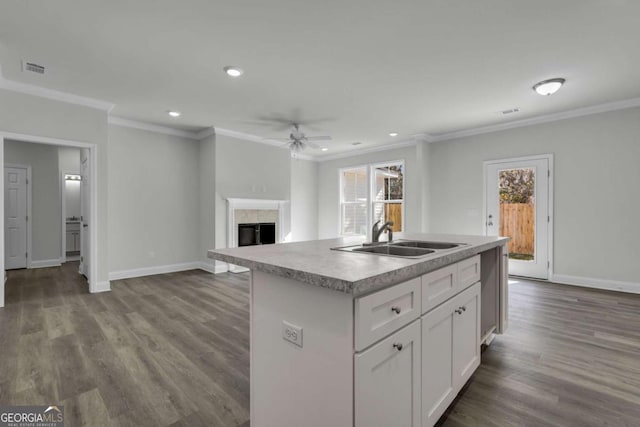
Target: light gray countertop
[354,273]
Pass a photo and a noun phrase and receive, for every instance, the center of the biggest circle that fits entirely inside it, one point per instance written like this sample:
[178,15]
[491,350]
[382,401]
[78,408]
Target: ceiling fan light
[174,113]
[548,87]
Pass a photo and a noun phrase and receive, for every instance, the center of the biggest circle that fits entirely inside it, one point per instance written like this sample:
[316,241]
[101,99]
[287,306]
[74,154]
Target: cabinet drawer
[379,314]
[438,286]
[73,226]
[469,271]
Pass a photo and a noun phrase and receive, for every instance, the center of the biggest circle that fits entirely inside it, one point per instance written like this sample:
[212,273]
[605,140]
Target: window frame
[369,170]
[341,201]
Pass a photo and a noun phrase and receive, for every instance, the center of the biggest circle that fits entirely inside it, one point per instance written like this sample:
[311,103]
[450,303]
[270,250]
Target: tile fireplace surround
[247,211]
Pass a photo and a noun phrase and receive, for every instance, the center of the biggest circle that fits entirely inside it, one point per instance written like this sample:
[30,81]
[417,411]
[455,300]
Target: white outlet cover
[292,333]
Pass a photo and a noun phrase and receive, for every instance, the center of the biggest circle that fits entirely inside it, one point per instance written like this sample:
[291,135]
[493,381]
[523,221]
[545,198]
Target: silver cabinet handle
[396,310]
[398,346]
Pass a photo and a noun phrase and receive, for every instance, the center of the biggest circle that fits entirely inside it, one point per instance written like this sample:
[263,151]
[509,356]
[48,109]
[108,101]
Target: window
[371,193]
[353,200]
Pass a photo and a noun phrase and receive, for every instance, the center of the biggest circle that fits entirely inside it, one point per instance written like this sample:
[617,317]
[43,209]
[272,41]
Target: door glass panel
[516,189]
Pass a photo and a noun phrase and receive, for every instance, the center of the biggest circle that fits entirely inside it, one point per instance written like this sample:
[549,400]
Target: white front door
[85,210]
[15,217]
[517,206]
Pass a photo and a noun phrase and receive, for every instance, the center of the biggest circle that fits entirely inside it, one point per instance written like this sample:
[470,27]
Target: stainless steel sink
[423,244]
[394,250]
[402,248]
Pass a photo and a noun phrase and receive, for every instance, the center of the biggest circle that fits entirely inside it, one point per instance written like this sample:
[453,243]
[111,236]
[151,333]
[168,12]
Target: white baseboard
[101,287]
[214,269]
[46,263]
[588,282]
[148,271]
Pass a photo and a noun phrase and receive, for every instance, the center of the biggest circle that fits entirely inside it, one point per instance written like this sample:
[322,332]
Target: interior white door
[517,206]
[85,210]
[15,217]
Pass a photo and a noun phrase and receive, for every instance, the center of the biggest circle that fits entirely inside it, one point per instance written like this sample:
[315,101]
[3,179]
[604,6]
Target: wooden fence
[393,212]
[517,220]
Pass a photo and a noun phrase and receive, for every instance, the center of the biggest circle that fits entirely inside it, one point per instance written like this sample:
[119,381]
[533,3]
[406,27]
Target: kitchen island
[346,338]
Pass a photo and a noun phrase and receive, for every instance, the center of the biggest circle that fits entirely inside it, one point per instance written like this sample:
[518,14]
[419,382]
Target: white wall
[46,219]
[251,170]
[207,158]
[596,188]
[329,187]
[304,200]
[154,194]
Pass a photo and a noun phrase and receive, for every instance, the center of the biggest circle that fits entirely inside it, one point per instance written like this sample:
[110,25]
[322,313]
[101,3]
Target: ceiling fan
[298,141]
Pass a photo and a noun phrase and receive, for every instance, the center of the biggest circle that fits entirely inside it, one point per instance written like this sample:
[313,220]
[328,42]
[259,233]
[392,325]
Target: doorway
[518,204]
[89,238]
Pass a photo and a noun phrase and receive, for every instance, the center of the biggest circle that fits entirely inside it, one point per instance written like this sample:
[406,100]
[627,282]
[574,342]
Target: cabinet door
[70,242]
[76,241]
[466,335]
[387,381]
[438,387]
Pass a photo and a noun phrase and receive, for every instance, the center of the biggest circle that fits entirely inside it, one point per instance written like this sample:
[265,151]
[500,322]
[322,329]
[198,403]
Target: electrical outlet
[292,333]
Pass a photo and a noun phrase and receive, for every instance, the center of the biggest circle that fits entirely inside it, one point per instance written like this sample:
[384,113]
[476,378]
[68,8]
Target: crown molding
[546,118]
[206,133]
[134,124]
[34,90]
[402,144]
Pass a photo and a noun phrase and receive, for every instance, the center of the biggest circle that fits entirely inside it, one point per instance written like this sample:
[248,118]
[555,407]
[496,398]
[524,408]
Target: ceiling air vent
[32,67]
[510,111]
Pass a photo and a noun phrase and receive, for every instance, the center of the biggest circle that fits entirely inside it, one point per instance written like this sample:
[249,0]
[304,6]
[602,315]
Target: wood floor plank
[174,350]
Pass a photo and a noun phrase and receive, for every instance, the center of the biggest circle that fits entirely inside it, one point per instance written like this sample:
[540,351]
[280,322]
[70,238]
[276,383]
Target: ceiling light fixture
[324,149]
[548,87]
[393,134]
[233,71]
[174,113]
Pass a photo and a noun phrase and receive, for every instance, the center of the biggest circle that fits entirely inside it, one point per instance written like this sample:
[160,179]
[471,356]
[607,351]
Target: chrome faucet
[376,232]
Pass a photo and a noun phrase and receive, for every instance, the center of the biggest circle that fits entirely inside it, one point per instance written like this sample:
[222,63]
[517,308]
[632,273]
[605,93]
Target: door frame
[29,210]
[93,202]
[549,158]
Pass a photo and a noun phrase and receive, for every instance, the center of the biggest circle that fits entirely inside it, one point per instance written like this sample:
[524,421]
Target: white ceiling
[368,67]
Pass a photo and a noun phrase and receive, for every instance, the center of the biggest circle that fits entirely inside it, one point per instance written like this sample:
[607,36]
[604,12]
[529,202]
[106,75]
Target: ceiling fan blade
[277,139]
[318,138]
[313,145]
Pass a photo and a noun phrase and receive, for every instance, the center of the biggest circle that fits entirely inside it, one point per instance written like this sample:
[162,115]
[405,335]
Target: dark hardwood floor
[571,357]
[174,350]
[156,351]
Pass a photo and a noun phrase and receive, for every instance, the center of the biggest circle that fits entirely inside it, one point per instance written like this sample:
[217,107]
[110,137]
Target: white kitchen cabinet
[379,314]
[387,381]
[72,237]
[450,351]
[466,335]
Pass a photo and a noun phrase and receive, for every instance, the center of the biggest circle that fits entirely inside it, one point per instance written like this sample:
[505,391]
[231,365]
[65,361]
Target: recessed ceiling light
[324,149]
[548,87]
[174,113]
[233,71]
[393,134]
